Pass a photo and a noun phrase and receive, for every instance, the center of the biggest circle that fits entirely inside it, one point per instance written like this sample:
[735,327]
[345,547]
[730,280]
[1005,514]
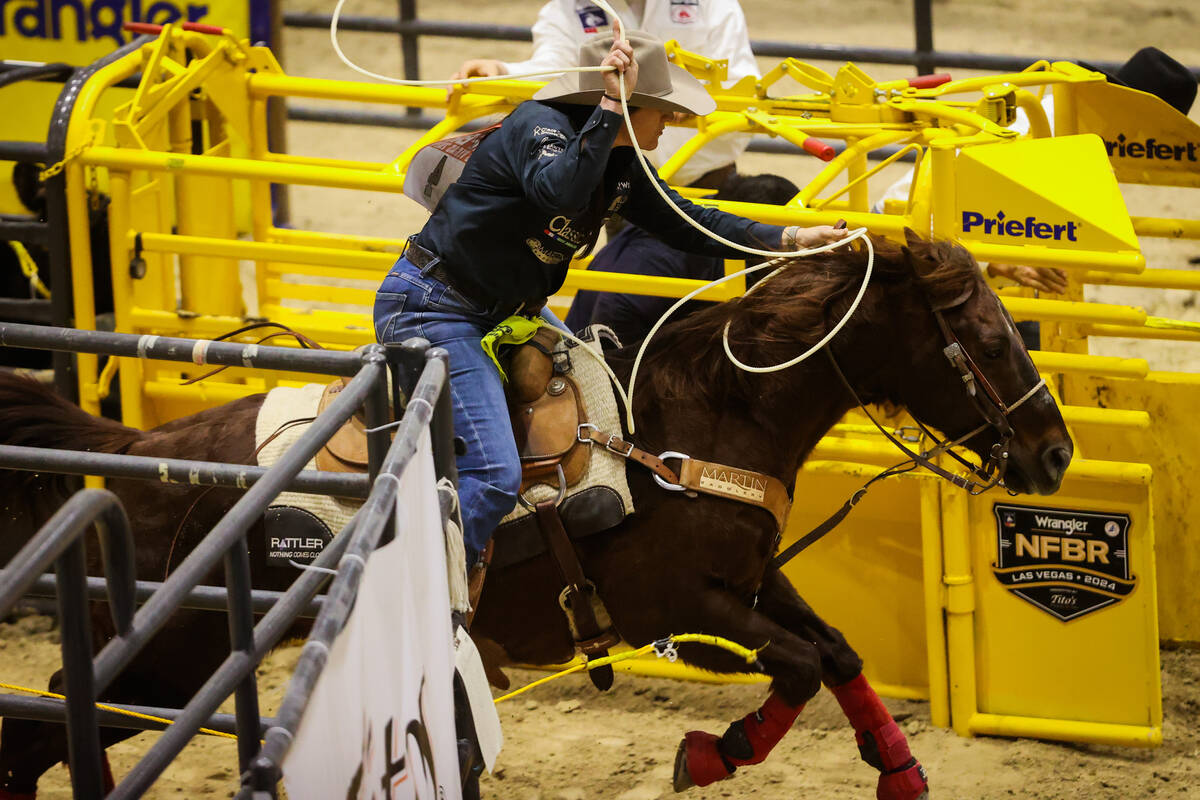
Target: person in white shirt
[712,28]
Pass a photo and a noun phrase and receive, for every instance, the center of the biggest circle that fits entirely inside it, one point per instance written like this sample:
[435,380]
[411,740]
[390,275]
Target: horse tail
[34,415]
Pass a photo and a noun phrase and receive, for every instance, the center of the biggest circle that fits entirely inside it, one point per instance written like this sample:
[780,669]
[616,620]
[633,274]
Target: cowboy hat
[660,85]
[1152,71]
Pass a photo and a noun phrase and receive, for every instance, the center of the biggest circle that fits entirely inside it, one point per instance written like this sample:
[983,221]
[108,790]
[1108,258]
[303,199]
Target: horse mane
[796,308]
[34,415]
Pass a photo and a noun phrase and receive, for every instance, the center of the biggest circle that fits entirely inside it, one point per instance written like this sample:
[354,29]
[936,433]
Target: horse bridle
[983,396]
[990,406]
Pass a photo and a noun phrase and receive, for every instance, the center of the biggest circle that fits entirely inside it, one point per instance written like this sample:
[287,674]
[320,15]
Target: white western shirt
[712,28]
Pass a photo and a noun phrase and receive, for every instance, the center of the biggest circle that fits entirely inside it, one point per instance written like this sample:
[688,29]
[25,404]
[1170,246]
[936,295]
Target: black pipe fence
[376,513]
[410,28]
[201,598]
[418,372]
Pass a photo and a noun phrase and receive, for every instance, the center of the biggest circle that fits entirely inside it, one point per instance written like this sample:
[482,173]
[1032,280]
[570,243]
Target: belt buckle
[612,437]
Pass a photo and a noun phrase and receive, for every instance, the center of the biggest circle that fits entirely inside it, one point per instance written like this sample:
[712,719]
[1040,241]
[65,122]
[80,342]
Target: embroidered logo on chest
[543,253]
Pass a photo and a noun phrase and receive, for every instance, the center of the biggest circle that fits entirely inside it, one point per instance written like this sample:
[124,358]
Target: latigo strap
[705,477]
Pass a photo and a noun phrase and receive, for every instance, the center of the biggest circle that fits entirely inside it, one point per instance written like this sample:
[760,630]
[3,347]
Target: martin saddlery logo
[1151,149]
[1018,227]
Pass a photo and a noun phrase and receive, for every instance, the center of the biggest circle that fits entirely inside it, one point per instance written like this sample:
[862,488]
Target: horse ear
[913,242]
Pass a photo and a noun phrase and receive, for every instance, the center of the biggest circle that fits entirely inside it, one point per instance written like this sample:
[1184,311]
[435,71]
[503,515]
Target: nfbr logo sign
[1068,563]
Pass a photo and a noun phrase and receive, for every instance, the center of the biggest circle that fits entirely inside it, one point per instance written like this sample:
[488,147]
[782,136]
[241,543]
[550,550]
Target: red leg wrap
[5,794]
[881,742]
[699,755]
[751,739]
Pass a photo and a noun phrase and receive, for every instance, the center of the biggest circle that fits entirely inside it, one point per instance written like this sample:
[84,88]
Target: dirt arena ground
[568,742]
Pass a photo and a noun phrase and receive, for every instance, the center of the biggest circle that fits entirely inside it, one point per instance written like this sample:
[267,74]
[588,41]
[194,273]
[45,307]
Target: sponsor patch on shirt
[543,253]
[551,150]
[591,17]
[553,133]
[685,12]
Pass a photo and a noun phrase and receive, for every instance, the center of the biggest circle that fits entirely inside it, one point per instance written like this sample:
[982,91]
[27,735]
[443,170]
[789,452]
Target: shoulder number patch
[591,17]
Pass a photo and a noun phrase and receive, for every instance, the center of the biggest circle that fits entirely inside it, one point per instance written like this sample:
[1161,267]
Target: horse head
[959,365]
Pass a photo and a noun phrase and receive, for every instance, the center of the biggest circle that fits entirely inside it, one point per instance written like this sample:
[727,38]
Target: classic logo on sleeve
[685,12]
[591,17]
[1067,563]
[550,142]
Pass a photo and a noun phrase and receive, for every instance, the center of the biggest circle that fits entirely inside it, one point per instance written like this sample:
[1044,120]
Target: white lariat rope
[337,48]
[776,256]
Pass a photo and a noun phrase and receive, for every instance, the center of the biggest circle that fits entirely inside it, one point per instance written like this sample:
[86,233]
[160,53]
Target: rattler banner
[1067,563]
[380,723]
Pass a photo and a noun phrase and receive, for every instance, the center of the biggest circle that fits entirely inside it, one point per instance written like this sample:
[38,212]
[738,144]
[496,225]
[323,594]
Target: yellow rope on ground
[664,648]
[29,268]
[114,709]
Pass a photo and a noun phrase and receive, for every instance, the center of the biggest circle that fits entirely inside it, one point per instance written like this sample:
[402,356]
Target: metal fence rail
[373,518]
[60,541]
[410,28]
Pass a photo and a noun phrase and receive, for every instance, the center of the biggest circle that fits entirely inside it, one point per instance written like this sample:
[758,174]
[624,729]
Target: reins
[986,476]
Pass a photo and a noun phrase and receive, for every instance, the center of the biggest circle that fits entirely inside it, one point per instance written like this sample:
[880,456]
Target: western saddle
[554,440]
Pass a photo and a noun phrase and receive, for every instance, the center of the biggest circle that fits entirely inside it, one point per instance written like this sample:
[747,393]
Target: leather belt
[421,258]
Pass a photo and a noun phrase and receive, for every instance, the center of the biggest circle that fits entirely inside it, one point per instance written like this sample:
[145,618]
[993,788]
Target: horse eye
[994,351]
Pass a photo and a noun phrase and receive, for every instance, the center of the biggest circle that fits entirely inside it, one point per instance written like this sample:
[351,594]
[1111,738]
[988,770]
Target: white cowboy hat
[660,85]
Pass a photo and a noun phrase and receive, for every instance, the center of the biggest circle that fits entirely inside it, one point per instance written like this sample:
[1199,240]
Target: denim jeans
[410,303]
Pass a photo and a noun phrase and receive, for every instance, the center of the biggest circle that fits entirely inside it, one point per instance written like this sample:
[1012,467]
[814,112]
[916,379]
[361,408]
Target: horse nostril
[1056,460]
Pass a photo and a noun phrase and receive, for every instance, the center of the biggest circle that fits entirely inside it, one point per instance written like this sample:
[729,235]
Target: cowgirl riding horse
[533,195]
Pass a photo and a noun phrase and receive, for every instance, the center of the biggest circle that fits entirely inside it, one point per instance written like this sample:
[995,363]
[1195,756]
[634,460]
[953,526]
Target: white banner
[380,724]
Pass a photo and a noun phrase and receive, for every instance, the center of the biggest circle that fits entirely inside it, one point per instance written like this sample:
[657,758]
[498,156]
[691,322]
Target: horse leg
[28,747]
[881,743]
[793,663]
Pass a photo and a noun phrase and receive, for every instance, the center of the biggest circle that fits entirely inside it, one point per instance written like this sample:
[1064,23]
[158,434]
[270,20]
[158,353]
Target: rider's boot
[704,758]
[476,579]
[881,742]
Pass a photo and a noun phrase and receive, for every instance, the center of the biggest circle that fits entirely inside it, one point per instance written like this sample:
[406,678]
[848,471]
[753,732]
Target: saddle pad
[599,401]
[282,404]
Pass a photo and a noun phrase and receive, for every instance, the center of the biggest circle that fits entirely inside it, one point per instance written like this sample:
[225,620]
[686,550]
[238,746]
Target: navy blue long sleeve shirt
[538,190]
[635,252]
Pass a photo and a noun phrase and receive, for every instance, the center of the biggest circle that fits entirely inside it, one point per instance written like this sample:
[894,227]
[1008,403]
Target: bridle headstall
[988,402]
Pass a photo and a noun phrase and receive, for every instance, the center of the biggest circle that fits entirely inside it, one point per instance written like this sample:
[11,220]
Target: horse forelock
[798,306]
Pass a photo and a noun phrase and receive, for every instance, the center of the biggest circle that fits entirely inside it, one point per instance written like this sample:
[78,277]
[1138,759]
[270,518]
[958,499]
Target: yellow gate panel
[1053,632]
[1170,445]
[866,577]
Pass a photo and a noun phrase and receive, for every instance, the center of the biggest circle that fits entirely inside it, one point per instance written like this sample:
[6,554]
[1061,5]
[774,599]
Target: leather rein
[983,396]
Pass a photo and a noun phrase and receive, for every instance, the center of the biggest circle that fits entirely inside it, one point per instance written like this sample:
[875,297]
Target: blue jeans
[410,303]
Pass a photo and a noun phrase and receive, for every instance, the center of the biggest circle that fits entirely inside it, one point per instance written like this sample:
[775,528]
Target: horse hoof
[909,783]
[682,780]
[698,762]
[602,677]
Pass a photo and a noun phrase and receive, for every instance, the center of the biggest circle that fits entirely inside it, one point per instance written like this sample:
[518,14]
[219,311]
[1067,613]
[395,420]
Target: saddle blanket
[600,499]
[282,405]
[604,468]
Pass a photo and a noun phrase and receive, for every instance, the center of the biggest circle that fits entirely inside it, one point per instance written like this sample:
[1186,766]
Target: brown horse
[694,564]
